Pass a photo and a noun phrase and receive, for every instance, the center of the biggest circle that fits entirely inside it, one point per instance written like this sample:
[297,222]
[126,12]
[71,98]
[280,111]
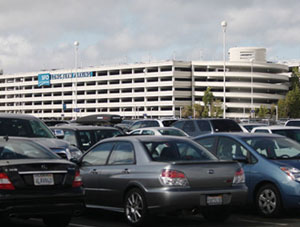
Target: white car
[158,131]
[287,131]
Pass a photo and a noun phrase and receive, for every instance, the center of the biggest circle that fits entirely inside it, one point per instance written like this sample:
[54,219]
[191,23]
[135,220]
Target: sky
[39,35]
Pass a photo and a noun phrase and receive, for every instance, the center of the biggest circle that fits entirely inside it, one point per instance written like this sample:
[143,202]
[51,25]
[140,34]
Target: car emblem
[211,171]
[44,167]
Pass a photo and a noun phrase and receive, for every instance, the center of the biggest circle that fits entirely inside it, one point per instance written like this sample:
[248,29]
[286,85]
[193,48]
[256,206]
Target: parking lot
[96,218]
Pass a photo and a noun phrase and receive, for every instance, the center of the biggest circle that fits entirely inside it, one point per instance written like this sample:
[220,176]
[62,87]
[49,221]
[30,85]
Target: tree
[208,100]
[282,109]
[273,111]
[292,101]
[262,112]
[187,111]
[198,110]
[217,108]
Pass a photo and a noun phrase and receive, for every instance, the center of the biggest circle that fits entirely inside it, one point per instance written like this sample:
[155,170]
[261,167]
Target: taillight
[77,180]
[173,178]
[239,177]
[5,183]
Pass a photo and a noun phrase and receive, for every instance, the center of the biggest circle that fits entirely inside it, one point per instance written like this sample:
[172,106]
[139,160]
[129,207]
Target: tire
[216,214]
[268,201]
[57,220]
[135,207]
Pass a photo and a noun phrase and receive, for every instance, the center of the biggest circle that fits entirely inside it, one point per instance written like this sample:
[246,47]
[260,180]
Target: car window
[293,123]
[24,128]
[204,126]
[137,132]
[207,142]
[178,124]
[261,131]
[225,125]
[123,153]
[135,125]
[293,134]
[172,132]
[189,127]
[106,133]
[85,139]
[228,148]
[176,151]
[24,150]
[98,155]
[69,135]
[148,132]
[146,124]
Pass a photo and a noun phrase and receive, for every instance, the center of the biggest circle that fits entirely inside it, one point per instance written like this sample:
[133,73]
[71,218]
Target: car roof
[149,138]
[156,128]
[18,116]
[83,127]
[277,127]
[240,135]
[253,123]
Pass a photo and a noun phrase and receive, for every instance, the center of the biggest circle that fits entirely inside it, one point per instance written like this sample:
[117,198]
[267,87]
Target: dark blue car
[271,164]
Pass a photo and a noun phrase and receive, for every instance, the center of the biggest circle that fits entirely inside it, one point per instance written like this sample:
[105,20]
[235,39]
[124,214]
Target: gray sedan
[155,174]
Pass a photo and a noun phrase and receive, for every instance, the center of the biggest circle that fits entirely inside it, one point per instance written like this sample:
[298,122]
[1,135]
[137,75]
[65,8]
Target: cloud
[40,34]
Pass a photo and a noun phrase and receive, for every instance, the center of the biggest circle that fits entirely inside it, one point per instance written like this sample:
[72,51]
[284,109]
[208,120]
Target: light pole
[76,44]
[180,113]
[151,111]
[224,26]
[251,60]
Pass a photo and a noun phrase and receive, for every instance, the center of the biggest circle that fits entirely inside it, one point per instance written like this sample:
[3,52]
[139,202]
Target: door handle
[127,171]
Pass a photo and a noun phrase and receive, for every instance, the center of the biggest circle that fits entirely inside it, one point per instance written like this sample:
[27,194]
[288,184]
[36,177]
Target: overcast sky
[36,34]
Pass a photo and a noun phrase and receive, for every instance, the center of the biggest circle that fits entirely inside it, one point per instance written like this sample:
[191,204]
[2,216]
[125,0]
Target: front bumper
[173,199]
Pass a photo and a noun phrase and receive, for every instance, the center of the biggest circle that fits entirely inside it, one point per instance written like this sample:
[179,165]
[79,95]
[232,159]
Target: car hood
[288,163]
[52,143]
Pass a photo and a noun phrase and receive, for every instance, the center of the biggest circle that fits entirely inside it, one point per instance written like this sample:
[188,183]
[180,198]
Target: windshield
[177,151]
[293,134]
[171,132]
[275,148]
[24,128]
[13,149]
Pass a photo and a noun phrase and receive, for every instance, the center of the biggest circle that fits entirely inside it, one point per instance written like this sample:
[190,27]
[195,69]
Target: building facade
[141,90]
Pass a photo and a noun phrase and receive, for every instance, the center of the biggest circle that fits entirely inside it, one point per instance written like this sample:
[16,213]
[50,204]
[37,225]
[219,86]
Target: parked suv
[146,123]
[84,136]
[195,127]
[22,125]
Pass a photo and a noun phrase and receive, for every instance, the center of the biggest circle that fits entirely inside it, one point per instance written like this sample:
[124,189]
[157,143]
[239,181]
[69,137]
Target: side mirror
[242,159]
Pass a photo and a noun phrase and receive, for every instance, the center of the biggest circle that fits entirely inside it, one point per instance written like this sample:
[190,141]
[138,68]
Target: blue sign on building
[44,79]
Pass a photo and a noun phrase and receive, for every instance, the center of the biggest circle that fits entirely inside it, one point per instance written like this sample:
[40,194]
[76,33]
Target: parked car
[159,131]
[271,163]
[293,122]
[288,131]
[84,136]
[22,125]
[195,127]
[146,123]
[139,175]
[52,122]
[35,182]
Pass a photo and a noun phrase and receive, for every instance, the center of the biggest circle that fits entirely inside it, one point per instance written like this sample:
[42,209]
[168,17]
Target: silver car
[142,175]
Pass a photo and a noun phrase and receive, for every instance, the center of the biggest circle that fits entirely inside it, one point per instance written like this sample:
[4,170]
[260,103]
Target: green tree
[217,108]
[262,112]
[208,100]
[273,111]
[198,110]
[292,101]
[282,109]
[295,78]
[187,111]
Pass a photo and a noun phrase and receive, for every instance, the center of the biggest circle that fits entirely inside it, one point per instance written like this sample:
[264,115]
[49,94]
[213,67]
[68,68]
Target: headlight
[292,172]
[76,153]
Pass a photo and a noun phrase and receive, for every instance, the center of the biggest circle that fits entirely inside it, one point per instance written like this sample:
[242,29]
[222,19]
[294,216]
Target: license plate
[43,179]
[214,200]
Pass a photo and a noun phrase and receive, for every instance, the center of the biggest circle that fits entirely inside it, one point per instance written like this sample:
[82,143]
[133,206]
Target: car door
[228,149]
[91,166]
[116,174]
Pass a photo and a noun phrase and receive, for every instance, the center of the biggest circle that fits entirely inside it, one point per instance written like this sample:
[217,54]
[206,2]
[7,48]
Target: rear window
[107,133]
[163,151]
[293,123]
[171,132]
[225,126]
[12,149]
